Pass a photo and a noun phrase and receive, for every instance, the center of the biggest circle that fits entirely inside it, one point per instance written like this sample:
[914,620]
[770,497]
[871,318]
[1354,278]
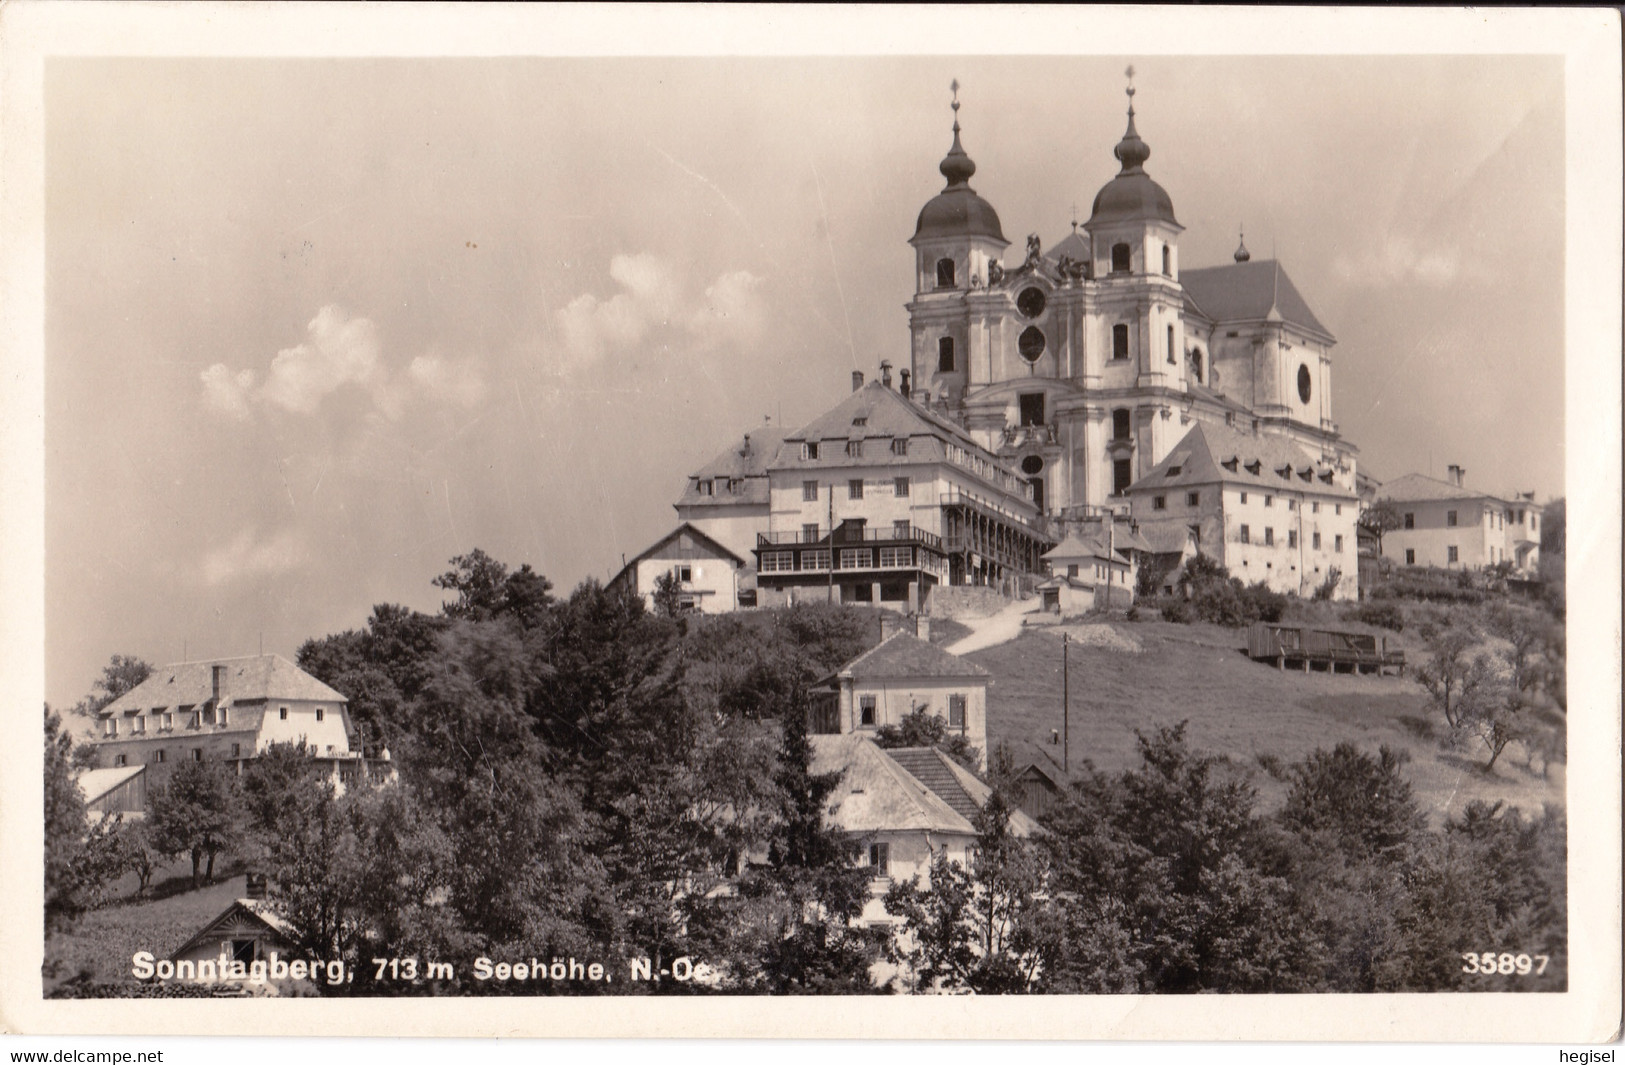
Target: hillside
[1249,711]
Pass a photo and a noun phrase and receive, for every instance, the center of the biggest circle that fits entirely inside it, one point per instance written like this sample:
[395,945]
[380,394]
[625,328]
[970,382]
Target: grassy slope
[102,941]
[1235,707]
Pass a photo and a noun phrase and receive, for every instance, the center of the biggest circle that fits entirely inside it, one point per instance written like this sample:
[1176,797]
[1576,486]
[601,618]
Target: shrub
[1384,615]
[1179,611]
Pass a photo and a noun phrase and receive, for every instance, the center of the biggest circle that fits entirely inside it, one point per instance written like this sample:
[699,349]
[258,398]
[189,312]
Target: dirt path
[994,629]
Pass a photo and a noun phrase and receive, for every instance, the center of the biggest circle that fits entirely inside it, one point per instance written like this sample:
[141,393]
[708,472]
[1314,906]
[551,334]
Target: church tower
[955,239]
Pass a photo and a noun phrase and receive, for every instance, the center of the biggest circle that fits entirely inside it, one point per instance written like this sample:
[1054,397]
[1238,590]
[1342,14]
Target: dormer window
[112,727]
[1255,467]
[809,450]
[854,449]
[705,488]
[945,273]
[1122,261]
[1232,464]
[1174,471]
[862,419]
[1285,473]
[899,445]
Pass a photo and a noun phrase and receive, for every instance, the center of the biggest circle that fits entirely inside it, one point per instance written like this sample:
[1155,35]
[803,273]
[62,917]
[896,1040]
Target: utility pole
[831,537]
[1066,704]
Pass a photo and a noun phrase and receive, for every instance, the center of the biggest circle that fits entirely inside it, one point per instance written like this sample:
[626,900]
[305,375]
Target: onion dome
[957,211]
[1242,254]
[1132,195]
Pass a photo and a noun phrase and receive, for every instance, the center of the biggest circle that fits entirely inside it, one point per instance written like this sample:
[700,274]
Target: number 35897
[1492,964]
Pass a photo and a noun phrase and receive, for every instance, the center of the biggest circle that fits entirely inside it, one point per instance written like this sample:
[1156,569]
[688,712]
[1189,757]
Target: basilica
[1091,385]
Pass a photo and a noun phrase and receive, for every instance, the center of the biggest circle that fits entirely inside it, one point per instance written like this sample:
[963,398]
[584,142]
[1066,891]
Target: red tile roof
[902,655]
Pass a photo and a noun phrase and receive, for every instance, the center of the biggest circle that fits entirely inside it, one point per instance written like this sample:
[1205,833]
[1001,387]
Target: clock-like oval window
[1031,302]
[1031,464]
[1031,343]
[1303,383]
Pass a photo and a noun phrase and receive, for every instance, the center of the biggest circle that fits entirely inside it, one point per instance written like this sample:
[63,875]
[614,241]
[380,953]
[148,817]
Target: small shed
[115,790]
[1038,790]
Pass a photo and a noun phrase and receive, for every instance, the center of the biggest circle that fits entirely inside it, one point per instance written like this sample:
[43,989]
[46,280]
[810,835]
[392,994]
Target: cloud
[246,556]
[456,381]
[338,351]
[1400,261]
[228,392]
[655,307]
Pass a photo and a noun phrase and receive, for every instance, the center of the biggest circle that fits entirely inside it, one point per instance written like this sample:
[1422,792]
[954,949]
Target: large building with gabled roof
[1446,524]
[1259,504]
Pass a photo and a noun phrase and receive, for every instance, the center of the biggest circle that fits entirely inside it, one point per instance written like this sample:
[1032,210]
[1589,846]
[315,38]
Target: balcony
[803,538]
[1041,435]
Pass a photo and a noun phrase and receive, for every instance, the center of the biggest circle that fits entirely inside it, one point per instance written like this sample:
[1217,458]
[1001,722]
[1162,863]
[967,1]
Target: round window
[1303,383]
[1031,343]
[1031,464]
[1031,302]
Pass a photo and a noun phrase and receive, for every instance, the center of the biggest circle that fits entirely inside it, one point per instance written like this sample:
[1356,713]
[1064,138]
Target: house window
[1244,497]
[236,750]
[1119,341]
[896,557]
[120,760]
[809,533]
[900,529]
[945,355]
[854,449]
[1159,502]
[809,491]
[1337,543]
[1450,519]
[1032,408]
[956,711]
[139,724]
[1072,569]
[856,558]
[1246,535]
[1292,538]
[1531,523]
[1193,499]
[899,446]
[1120,423]
[1269,501]
[1410,520]
[1410,556]
[197,754]
[899,487]
[1122,476]
[945,273]
[866,709]
[854,489]
[1452,556]
[1167,261]
[1314,508]
[818,560]
[1269,537]
[684,574]
[1171,360]
[705,488]
[880,859]
[112,726]
[1121,262]
[683,570]
[158,755]
[777,561]
[1315,542]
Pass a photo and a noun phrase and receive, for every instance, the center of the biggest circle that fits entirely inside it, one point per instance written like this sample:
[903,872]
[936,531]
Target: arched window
[945,355]
[1121,263]
[1171,360]
[1196,364]
[1120,424]
[945,273]
[1119,341]
[1167,261]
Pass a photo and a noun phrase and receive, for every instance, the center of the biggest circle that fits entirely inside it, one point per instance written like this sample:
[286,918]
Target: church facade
[1083,366]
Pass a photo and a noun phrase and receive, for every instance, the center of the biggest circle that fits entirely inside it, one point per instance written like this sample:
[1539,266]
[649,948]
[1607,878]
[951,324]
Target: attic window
[1255,467]
[809,450]
[705,488]
[1232,464]
[899,445]
[862,419]
[1174,471]
[1306,474]
[1285,472]
[1326,475]
[854,449]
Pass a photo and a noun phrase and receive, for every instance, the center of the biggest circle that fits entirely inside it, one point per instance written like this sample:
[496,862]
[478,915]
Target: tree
[1379,518]
[485,589]
[196,812]
[1456,673]
[139,852]
[979,925]
[667,599]
[81,856]
[1360,804]
[922,728]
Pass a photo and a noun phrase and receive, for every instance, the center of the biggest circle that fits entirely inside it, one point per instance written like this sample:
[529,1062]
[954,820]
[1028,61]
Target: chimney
[902,378]
[746,451]
[254,888]
[885,372]
[1456,474]
[219,682]
[891,623]
[857,380]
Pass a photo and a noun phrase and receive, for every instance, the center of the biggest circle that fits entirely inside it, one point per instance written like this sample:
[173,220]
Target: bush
[1178,610]
[1384,615]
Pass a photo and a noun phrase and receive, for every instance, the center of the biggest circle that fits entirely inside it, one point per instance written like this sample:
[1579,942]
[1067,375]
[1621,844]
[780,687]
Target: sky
[315,326]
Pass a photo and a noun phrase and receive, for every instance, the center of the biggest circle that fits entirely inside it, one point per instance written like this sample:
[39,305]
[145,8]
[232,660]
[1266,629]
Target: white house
[1445,524]
[708,573]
